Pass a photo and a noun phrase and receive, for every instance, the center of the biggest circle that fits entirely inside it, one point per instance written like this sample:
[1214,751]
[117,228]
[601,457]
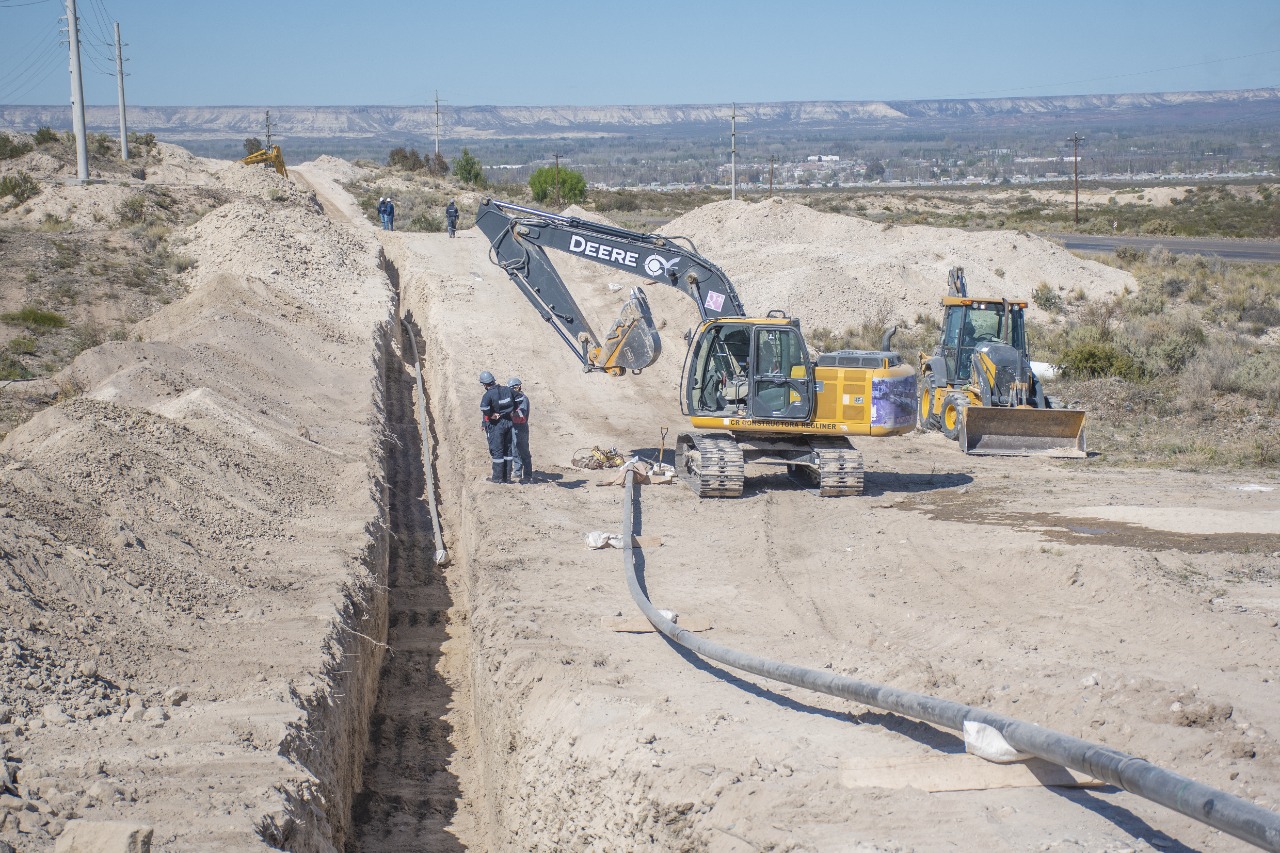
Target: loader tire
[928,418]
[953,406]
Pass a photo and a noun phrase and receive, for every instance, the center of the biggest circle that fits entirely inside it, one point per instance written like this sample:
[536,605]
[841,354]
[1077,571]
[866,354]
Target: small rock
[12,804]
[155,714]
[175,696]
[93,767]
[133,715]
[54,715]
[88,668]
[104,836]
[31,822]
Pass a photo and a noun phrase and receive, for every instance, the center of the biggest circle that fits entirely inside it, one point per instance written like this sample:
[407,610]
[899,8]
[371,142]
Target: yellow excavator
[750,388]
[267,157]
[978,386]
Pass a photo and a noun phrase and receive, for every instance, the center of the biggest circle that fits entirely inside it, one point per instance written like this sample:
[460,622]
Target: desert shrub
[437,165]
[101,144]
[565,184]
[621,200]
[45,135]
[11,148]
[19,186]
[1046,298]
[87,336]
[425,222]
[1093,359]
[1254,376]
[1164,344]
[408,159]
[23,346]
[252,145]
[12,368]
[34,319]
[132,210]
[1128,255]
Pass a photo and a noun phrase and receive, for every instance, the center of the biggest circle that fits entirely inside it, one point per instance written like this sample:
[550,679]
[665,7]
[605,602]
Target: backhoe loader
[978,387]
[750,386]
[267,157]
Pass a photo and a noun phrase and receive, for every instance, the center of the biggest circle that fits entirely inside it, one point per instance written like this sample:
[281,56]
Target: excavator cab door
[781,375]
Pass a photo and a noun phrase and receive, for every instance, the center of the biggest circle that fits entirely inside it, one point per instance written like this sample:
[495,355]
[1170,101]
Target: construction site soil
[222,619]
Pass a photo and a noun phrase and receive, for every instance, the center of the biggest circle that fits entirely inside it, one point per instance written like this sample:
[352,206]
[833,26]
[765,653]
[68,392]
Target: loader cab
[756,369]
[969,322]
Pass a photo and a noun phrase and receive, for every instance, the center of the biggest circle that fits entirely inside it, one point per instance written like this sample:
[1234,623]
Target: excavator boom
[519,237]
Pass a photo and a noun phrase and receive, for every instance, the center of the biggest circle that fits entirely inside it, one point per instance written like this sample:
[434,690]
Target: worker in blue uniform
[495,409]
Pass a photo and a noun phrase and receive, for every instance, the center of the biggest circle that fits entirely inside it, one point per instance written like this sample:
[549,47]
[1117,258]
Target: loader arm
[519,237]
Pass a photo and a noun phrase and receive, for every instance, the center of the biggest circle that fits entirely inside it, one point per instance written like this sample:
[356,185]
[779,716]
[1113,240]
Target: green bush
[20,186]
[467,169]
[45,135]
[101,144]
[425,222]
[11,148]
[1094,359]
[550,183]
[34,319]
[252,145]
[23,346]
[408,159]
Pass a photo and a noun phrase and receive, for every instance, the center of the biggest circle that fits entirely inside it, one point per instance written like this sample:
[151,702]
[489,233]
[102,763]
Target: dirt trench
[409,792]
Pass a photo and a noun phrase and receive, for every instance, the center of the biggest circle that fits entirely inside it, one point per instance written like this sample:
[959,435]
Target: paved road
[1266,251]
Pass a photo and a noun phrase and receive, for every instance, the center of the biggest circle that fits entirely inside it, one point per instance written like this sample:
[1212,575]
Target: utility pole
[733,153]
[771,159]
[1075,140]
[557,156]
[77,94]
[268,146]
[124,130]
[437,122]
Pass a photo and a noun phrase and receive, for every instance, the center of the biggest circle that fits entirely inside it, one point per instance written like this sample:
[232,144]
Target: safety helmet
[513,382]
[486,378]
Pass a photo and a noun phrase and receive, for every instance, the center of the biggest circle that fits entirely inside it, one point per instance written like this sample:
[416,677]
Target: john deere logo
[657,266]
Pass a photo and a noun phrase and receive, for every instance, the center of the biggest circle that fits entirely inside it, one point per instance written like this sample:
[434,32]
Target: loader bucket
[999,431]
[633,342]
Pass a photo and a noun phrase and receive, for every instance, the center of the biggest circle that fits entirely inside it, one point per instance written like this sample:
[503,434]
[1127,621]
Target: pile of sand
[841,271]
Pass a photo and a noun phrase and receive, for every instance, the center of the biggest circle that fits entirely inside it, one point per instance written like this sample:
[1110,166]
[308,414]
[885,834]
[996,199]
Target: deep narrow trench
[409,793]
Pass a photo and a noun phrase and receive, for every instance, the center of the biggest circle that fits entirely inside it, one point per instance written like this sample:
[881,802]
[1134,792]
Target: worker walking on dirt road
[496,407]
[523,463]
[451,216]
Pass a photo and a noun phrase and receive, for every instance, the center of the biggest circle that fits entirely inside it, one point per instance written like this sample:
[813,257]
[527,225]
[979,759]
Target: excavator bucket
[1000,431]
[633,342]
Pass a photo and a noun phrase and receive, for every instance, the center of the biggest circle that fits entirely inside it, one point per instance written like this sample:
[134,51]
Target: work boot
[517,472]
[506,471]
[498,474]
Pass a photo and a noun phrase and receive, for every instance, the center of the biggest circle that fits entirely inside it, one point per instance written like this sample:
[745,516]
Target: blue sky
[397,52]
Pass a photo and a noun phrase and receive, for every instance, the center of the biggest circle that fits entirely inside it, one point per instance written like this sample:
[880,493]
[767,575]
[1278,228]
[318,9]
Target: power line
[46,60]
[4,5]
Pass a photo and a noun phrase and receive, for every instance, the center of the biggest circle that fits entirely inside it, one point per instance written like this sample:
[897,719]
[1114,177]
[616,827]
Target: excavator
[750,388]
[978,387]
[268,157]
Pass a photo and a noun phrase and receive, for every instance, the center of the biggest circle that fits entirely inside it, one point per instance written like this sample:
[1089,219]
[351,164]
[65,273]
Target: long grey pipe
[1218,809]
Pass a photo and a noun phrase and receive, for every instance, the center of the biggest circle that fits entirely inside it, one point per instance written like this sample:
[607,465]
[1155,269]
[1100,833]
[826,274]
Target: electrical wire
[46,61]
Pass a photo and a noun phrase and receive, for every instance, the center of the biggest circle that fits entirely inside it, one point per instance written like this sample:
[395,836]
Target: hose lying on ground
[1218,809]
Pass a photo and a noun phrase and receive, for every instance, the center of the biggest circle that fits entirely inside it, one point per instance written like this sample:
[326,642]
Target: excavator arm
[519,237]
[267,156]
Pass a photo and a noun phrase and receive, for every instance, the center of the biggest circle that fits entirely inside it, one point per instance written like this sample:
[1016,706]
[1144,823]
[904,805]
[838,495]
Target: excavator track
[839,467]
[711,464]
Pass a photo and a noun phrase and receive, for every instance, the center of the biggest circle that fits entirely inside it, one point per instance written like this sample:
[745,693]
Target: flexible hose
[1218,809]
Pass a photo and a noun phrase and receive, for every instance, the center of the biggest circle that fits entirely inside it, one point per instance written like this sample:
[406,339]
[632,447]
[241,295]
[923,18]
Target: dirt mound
[846,270]
[185,538]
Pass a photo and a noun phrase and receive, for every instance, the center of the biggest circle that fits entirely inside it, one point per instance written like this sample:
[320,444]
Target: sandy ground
[993,582]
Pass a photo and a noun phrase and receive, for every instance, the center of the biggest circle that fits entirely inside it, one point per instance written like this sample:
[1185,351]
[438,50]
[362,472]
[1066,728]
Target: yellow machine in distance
[750,387]
[978,387]
[267,157]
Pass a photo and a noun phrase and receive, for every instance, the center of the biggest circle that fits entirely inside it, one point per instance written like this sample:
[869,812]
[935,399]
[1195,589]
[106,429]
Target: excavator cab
[756,369]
